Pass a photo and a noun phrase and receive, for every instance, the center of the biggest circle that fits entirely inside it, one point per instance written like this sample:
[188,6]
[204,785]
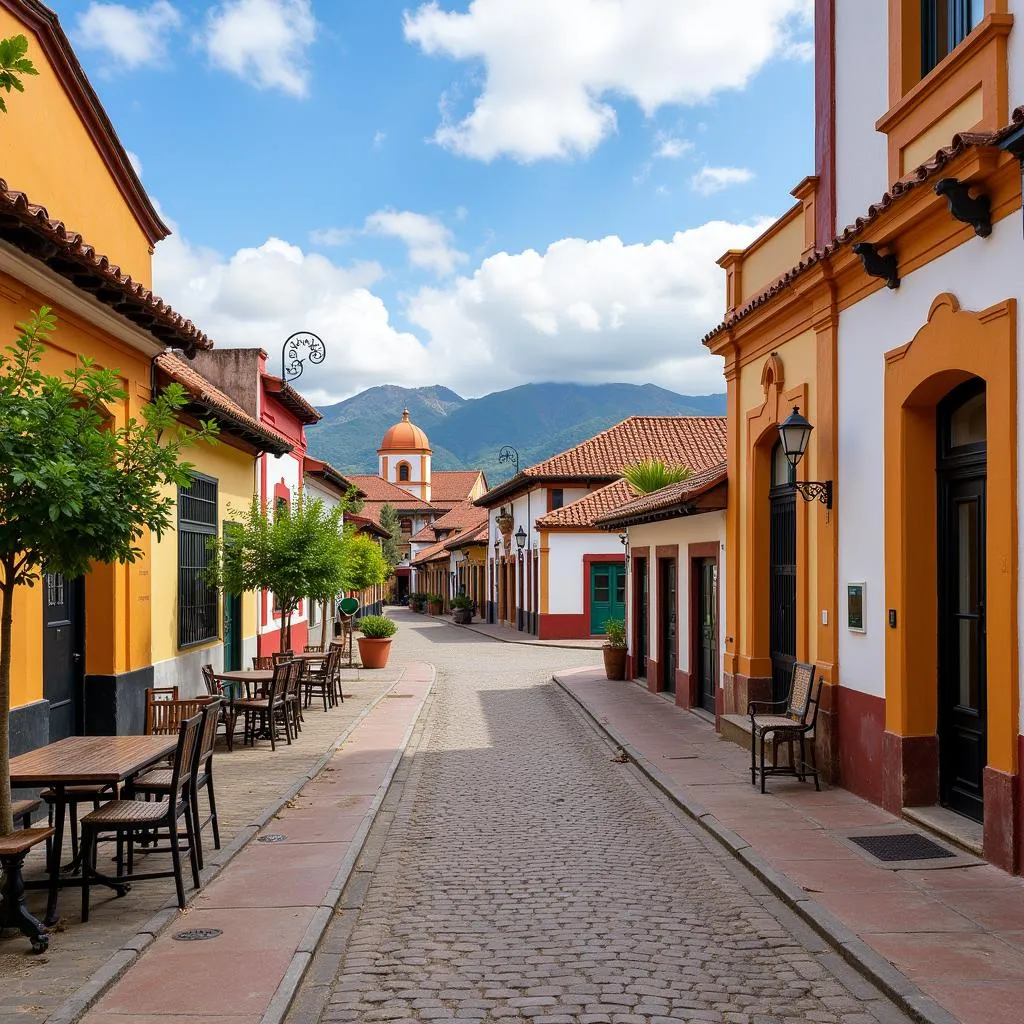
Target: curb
[854,950]
[281,1002]
[82,999]
[544,644]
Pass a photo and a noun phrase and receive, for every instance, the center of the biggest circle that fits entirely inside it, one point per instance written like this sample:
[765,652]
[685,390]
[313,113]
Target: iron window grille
[197,595]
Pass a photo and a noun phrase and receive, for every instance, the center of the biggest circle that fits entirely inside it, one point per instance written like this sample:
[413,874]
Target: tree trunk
[6,621]
[286,627]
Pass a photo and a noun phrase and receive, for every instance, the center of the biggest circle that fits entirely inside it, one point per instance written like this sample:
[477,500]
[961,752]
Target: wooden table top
[83,760]
[247,675]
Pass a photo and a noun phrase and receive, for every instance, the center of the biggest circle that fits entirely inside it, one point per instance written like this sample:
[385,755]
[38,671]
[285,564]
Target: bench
[13,912]
[22,810]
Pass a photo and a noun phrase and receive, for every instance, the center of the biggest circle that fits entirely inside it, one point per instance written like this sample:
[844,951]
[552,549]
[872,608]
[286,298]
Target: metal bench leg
[753,753]
[762,760]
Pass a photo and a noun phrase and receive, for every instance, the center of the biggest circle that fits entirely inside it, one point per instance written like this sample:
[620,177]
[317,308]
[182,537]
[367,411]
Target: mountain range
[539,420]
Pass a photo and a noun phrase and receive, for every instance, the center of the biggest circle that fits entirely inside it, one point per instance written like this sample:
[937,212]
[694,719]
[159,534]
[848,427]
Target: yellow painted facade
[234,470]
[46,151]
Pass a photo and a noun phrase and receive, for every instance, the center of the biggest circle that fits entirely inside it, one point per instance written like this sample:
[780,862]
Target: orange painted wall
[46,152]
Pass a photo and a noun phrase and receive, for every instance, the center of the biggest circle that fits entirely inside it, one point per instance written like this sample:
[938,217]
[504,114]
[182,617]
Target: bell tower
[404,458]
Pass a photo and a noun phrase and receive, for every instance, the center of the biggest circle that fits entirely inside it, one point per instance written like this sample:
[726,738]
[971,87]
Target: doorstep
[948,825]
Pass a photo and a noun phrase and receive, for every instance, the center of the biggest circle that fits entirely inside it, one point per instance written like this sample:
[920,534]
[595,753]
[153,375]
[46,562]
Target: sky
[474,193]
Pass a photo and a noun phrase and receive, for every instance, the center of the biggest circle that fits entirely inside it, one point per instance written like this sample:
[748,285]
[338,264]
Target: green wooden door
[232,620]
[607,594]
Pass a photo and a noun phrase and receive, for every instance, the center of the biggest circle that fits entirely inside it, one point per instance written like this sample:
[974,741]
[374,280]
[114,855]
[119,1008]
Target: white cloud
[579,311]
[379,138]
[263,42]
[132,38]
[331,236]
[428,240]
[670,147]
[133,159]
[709,180]
[550,67]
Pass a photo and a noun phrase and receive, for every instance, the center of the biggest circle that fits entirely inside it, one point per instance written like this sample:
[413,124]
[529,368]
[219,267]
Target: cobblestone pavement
[527,875]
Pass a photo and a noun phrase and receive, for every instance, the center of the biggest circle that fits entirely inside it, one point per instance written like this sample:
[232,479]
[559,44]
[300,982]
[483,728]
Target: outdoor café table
[82,761]
[250,678]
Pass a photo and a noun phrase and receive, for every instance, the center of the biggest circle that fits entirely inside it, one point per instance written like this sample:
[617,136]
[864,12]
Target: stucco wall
[684,531]
[565,567]
[279,470]
[862,97]
[979,273]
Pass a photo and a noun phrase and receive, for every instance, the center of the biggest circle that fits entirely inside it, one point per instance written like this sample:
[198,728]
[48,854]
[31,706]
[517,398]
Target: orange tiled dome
[404,437]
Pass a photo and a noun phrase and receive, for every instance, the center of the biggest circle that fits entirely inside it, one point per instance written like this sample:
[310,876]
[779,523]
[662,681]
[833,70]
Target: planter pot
[435,609]
[462,616]
[614,662]
[374,653]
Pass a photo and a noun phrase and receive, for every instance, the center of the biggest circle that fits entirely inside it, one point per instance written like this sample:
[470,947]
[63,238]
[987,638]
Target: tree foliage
[13,65]
[74,488]
[393,545]
[295,552]
[651,475]
[365,563]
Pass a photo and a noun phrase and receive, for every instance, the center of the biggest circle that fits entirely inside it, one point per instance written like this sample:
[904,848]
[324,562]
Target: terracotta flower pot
[614,662]
[374,653]
[435,608]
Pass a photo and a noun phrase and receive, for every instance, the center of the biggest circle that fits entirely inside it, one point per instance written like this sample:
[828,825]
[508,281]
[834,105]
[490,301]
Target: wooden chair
[293,695]
[262,663]
[167,715]
[128,818]
[280,656]
[792,721]
[320,681]
[159,781]
[154,695]
[266,709]
[228,718]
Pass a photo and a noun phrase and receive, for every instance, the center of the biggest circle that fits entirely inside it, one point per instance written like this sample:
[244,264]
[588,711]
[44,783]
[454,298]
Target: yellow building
[81,654]
[194,623]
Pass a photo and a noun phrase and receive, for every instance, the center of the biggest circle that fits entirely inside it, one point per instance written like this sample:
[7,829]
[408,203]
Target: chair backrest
[815,703]
[277,686]
[333,666]
[313,649]
[184,757]
[155,695]
[208,735]
[262,663]
[294,677]
[280,656]
[800,688]
[213,688]
[169,714]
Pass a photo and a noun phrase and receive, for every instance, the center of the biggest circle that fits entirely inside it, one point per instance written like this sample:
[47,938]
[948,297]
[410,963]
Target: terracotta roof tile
[464,516]
[453,485]
[668,498]
[587,510]
[225,409]
[477,535]
[30,228]
[320,468]
[378,489]
[696,442]
[295,403]
[922,174]
[435,551]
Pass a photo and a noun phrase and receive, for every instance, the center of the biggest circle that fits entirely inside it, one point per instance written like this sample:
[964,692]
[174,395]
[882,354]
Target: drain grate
[399,696]
[901,846]
[272,837]
[198,934]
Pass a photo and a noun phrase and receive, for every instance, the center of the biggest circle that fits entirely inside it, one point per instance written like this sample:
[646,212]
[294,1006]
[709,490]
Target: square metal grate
[901,846]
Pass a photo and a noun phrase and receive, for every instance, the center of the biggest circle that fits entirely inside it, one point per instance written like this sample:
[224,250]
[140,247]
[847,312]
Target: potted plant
[614,649]
[375,643]
[462,610]
[435,604]
[417,601]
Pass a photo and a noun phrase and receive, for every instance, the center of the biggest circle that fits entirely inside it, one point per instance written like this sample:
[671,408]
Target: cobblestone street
[525,874]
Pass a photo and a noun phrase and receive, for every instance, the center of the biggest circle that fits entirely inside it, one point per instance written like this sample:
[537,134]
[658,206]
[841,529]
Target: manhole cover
[901,846]
[272,837]
[198,934]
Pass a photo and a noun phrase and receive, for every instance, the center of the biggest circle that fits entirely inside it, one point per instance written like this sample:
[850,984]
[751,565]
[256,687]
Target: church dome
[404,437]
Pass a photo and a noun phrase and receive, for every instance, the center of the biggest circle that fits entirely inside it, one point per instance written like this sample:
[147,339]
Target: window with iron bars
[197,596]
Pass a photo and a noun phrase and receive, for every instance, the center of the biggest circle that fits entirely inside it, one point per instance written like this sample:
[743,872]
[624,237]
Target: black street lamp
[794,433]
[520,536]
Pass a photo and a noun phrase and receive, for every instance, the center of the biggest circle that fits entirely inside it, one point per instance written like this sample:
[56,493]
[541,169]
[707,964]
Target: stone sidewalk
[508,635]
[251,784]
[954,934]
[270,905]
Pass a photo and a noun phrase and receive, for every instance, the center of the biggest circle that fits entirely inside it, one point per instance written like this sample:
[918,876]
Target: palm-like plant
[653,474]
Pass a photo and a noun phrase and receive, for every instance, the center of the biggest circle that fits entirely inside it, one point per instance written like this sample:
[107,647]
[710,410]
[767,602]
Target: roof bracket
[877,265]
[973,210]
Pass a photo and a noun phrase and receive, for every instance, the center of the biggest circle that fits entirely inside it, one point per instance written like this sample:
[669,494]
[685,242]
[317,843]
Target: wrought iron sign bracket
[509,454]
[877,265]
[293,362]
[968,209]
[815,490]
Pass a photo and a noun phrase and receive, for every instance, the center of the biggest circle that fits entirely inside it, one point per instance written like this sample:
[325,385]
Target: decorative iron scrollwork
[814,490]
[297,349]
[509,454]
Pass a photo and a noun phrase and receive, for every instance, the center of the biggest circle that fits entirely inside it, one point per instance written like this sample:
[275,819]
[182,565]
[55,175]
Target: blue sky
[472,194]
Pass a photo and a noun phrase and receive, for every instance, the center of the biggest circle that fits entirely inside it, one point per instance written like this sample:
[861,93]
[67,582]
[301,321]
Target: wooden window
[945,24]
[197,596]
[557,498]
[403,472]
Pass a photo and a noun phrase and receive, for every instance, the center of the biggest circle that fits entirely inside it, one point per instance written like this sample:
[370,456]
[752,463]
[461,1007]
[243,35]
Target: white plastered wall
[565,566]
[980,273]
[286,469]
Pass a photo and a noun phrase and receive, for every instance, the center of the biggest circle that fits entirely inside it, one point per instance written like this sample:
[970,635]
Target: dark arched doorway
[782,547]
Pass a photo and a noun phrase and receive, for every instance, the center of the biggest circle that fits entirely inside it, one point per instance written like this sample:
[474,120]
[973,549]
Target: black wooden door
[668,625]
[782,625]
[707,598]
[641,597]
[63,656]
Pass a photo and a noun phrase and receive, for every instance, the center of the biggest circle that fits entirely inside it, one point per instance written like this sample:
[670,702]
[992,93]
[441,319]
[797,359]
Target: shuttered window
[197,596]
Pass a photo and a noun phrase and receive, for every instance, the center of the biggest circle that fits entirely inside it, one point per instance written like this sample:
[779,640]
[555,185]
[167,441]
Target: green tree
[653,474]
[13,65]
[297,552]
[366,565]
[74,491]
[393,545]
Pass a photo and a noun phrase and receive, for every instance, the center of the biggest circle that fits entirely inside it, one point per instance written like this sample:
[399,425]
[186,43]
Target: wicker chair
[791,721]
[268,708]
[127,818]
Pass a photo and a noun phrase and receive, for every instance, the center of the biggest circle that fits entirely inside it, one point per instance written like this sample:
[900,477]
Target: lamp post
[794,433]
[520,536]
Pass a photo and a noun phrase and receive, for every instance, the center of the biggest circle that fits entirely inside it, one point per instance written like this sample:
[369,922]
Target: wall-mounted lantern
[794,433]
